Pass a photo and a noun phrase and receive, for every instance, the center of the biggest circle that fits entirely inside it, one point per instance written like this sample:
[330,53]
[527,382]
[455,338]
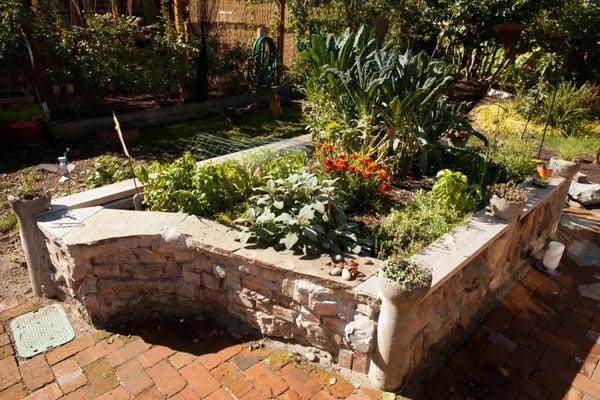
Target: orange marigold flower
[328,161]
[367,174]
[354,156]
[352,168]
[341,163]
[382,174]
[383,188]
[364,160]
[316,145]
[372,165]
[328,168]
[327,146]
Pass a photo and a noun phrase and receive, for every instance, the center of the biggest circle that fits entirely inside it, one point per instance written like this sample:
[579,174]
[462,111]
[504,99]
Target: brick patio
[541,342]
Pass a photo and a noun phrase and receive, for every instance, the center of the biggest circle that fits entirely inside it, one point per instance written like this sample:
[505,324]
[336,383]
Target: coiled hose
[263,63]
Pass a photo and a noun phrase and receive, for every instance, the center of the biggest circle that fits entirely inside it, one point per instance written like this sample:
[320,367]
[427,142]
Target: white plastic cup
[553,255]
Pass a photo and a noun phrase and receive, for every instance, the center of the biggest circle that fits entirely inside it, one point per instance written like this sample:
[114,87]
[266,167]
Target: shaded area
[543,339]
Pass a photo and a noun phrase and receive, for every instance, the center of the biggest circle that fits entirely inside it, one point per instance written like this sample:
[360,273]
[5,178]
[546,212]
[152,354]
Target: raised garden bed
[123,263]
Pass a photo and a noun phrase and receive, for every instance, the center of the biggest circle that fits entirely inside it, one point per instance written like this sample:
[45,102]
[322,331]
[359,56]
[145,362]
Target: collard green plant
[301,213]
[107,170]
[452,189]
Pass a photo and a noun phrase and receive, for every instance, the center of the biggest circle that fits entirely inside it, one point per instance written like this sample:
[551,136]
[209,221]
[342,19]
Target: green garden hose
[263,63]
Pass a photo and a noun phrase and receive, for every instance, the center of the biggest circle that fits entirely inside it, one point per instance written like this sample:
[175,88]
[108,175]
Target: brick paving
[541,342]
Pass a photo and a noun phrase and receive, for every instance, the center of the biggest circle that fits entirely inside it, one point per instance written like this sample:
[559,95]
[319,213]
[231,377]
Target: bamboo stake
[129,158]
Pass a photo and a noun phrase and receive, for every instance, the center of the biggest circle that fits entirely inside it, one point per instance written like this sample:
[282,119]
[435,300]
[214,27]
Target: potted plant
[402,284]
[24,126]
[457,137]
[566,164]
[507,200]
[542,174]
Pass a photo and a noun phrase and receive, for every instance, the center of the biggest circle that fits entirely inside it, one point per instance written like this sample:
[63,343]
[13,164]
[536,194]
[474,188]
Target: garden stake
[129,158]
[547,121]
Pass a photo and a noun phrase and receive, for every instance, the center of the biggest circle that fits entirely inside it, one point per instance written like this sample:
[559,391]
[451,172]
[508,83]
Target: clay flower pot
[506,210]
[25,133]
[564,168]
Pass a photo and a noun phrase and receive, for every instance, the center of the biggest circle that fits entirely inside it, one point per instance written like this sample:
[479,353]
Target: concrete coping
[88,226]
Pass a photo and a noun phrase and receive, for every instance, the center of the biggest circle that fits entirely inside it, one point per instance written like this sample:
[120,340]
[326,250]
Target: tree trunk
[280,40]
[201,87]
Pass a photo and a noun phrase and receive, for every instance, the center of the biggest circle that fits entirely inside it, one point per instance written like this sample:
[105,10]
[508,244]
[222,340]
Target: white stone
[359,333]
[219,271]
[587,194]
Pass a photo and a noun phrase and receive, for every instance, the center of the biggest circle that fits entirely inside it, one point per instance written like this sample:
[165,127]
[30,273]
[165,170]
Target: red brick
[549,383]
[266,380]
[181,359]
[518,296]
[553,340]
[523,360]
[586,385]
[289,395]
[300,382]
[371,394]
[101,376]
[98,351]
[67,350]
[361,362]
[500,318]
[323,395]
[15,392]
[246,358]
[554,361]
[6,351]
[495,355]
[83,393]
[233,380]
[150,394]
[127,352]
[36,372]
[345,358]
[462,361]
[9,373]
[4,339]
[69,375]
[50,392]
[524,322]
[154,355]
[254,394]
[199,379]
[211,360]
[133,377]
[219,394]
[167,380]
[116,394]
[186,394]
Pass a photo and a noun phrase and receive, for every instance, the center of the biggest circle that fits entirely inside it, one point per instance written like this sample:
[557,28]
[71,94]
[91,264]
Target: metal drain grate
[41,330]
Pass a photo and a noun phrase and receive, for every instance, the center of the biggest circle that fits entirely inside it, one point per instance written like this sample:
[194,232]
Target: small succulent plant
[509,192]
[412,277]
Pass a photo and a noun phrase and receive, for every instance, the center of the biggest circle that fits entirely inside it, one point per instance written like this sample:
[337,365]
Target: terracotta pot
[459,141]
[25,133]
[506,210]
[564,168]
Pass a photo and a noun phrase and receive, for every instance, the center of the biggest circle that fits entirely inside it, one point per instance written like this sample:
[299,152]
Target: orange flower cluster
[356,164]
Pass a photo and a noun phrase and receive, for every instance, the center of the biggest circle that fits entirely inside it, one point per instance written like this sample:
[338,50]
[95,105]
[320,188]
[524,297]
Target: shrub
[212,188]
[406,231]
[509,192]
[107,170]
[513,157]
[302,213]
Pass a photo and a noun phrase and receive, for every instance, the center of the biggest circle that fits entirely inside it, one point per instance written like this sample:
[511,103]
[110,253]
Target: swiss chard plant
[301,213]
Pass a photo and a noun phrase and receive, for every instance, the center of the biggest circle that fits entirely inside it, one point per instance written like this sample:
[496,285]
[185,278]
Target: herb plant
[509,192]
[452,189]
[107,170]
[410,276]
[301,213]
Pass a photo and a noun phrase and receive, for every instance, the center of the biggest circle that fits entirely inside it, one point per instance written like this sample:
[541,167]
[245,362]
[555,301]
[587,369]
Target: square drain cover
[41,330]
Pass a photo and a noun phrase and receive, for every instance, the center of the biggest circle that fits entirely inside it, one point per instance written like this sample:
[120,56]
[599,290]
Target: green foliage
[28,113]
[514,158]
[301,213]
[405,232]
[381,102]
[452,190]
[12,15]
[8,222]
[107,170]
[410,276]
[209,189]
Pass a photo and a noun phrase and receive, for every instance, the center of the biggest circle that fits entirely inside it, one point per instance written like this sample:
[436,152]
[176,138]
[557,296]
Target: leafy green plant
[209,188]
[28,113]
[513,157]
[107,170]
[410,276]
[452,189]
[404,232]
[8,222]
[301,213]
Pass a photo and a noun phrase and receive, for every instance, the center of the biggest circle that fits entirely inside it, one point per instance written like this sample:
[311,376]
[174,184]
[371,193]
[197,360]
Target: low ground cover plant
[106,170]
[302,213]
